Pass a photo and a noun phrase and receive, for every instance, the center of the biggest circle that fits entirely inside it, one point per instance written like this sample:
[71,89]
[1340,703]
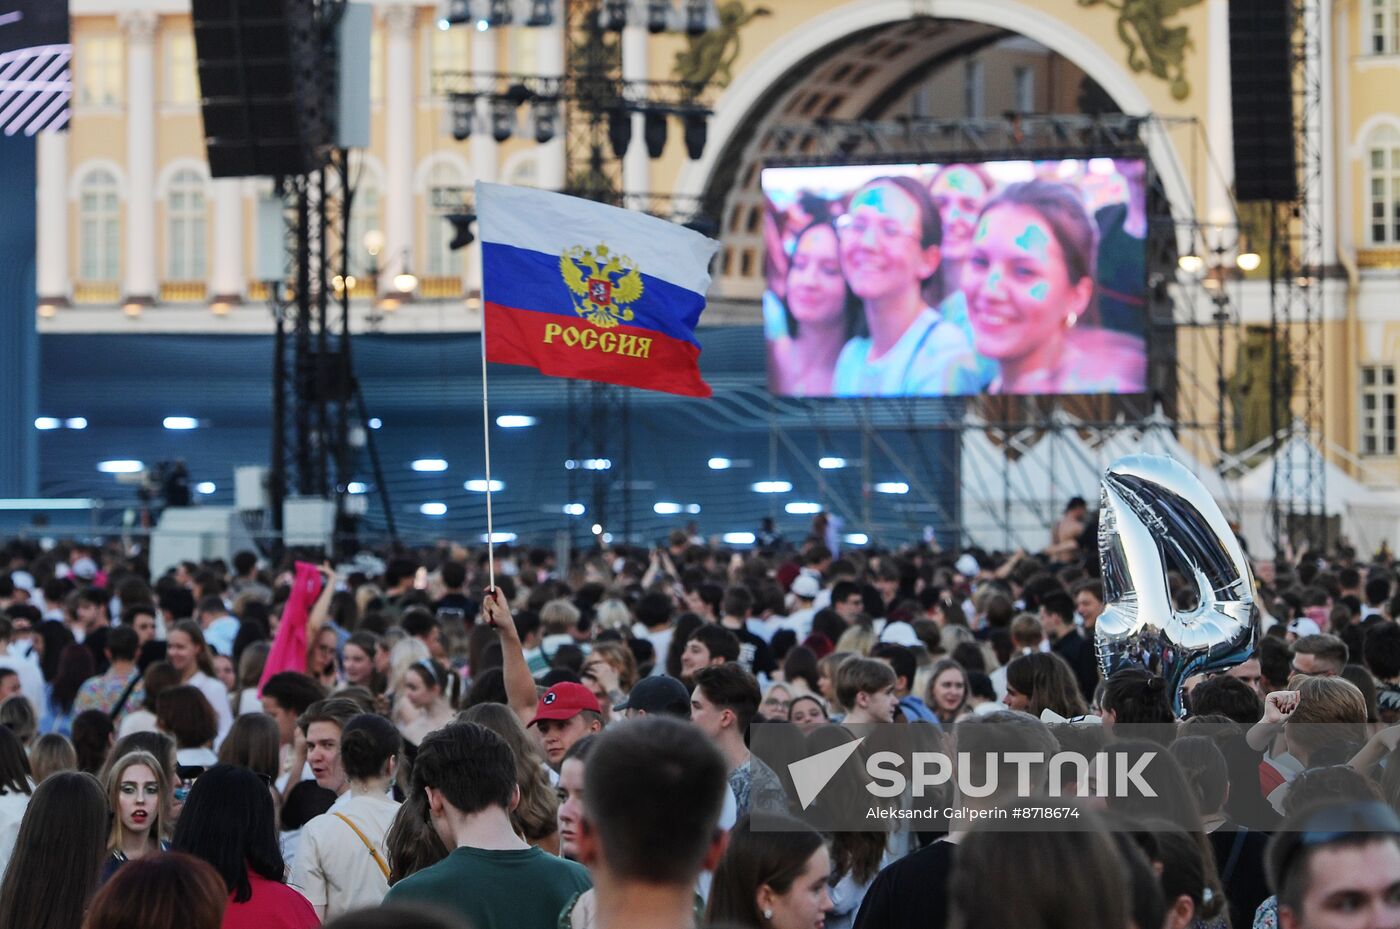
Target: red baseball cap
[565,700]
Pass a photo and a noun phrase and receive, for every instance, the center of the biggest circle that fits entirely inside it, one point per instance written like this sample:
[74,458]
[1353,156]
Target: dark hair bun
[366,743]
[1156,685]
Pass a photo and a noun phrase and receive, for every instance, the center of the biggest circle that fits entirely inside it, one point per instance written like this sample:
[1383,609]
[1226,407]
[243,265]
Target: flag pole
[486,443]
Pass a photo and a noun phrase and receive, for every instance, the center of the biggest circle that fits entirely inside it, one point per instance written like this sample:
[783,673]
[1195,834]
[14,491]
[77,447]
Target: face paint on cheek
[1040,291]
[984,229]
[1034,240]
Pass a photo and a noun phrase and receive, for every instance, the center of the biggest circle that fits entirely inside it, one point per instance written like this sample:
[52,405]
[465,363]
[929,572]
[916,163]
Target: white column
[636,166]
[550,63]
[142,282]
[399,107]
[484,149]
[53,273]
[226,283]
[1327,140]
[1220,174]
[483,61]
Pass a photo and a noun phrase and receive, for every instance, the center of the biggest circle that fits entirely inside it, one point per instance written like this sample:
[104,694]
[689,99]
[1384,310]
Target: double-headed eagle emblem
[602,284]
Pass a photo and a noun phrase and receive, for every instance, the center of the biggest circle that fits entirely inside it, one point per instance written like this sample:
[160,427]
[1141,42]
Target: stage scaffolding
[1018,459]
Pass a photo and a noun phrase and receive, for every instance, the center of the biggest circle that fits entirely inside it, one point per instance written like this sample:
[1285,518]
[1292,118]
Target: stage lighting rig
[462,234]
[500,13]
[659,13]
[654,131]
[458,12]
[463,116]
[613,16]
[700,17]
[544,113]
[541,14]
[620,130]
[696,133]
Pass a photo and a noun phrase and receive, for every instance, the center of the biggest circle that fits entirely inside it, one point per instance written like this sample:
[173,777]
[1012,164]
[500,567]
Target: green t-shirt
[522,889]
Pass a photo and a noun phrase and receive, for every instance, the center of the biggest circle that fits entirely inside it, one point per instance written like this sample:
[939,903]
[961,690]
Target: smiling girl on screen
[820,313]
[890,247]
[1029,287]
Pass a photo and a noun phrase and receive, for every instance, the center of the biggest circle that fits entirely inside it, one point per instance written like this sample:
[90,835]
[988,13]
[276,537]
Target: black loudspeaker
[265,84]
[1261,88]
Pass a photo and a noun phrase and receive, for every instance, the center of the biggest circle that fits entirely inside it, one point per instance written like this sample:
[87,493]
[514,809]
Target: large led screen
[1000,277]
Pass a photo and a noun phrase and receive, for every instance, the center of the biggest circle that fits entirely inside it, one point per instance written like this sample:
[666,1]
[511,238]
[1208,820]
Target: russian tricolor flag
[585,290]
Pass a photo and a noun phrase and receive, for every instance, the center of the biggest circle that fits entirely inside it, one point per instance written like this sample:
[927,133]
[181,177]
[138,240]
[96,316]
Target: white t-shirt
[31,682]
[137,721]
[933,358]
[12,807]
[660,643]
[333,869]
[217,695]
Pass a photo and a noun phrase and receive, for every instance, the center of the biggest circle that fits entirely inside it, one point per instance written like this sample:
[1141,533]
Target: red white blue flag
[585,290]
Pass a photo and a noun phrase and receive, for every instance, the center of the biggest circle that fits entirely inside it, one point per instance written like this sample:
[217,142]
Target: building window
[184,218]
[1383,186]
[1385,27]
[100,70]
[364,216]
[441,261]
[1024,78]
[974,88]
[376,66]
[181,75]
[1377,410]
[99,228]
[449,53]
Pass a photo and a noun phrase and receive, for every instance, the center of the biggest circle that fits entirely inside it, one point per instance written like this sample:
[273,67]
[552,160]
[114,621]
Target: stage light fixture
[654,132]
[700,17]
[463,117]
[1191,264]
[1248,261]
[613,16]
[500,14]
[541,14]
[502,118]
[458,11]
[658,15]
[696,135]
[619,130]
[462,234]
[544,113]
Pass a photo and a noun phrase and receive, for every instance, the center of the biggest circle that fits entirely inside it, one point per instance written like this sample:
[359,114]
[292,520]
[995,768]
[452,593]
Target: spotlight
[500,14]
[613,17]
[462,234]
[458,11]
[1248,261]
[619,130]
[541,14]
[463,116]
[700,17]
[502,118]
[654,132]
[658,15]
[1191,264]
[544,112]
[696,135]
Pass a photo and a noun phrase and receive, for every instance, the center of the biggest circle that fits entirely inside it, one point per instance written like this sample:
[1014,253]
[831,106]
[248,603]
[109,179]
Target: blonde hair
[558,617]
[612,613]
[51,754]
[857,640]
[1332,700]
[620,658]
[159,816]
[406,653]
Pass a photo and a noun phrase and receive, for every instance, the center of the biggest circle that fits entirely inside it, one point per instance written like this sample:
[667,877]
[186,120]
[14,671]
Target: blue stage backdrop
[19,344]
[426,391]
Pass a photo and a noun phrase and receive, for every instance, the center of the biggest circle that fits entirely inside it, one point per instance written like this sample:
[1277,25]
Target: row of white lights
[827,463]
[748,538]
[174,423]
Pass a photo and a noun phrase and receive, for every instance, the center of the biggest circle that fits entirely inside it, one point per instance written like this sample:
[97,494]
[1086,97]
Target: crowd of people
[396,742]
[958,279]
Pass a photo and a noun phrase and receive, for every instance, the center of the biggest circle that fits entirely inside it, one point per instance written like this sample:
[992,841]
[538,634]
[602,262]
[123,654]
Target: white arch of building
[836,26]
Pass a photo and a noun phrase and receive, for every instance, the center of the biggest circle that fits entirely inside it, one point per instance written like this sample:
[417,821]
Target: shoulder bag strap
[374,852]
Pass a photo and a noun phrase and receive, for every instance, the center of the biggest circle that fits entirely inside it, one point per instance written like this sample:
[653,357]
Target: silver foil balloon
[1157,518]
